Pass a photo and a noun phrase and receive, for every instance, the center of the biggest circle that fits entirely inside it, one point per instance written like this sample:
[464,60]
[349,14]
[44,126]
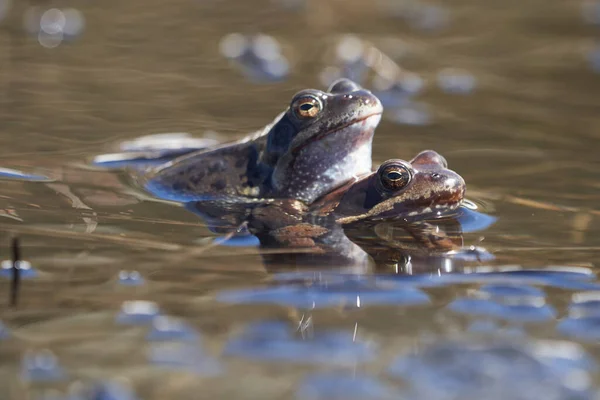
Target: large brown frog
[322,140]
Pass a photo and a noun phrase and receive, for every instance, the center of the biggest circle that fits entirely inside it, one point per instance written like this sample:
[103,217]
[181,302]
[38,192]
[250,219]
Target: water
[126,296]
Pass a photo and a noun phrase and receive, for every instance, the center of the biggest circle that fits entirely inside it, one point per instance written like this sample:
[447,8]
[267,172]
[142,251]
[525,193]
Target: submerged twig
[16,272]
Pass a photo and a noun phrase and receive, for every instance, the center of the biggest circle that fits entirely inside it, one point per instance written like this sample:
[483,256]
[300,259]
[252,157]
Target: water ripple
[14,174]
[184,356]
[166,328]
[25,269]
[448,371]
[274,341]
[137,312]
[350,292]
[41,366]
[338,386]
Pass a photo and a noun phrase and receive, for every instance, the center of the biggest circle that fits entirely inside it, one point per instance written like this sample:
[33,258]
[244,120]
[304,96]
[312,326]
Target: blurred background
[506,91]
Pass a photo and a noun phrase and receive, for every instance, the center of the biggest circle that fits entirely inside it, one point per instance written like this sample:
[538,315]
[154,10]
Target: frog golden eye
[394,176]
[306,107]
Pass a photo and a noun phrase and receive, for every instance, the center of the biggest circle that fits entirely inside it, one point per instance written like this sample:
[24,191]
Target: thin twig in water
[16,272]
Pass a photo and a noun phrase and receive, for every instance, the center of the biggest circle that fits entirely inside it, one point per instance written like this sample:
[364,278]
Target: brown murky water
[525,140]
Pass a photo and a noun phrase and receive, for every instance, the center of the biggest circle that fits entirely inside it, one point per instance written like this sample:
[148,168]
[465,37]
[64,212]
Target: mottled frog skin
[321,141]
[410,194]
[423,187]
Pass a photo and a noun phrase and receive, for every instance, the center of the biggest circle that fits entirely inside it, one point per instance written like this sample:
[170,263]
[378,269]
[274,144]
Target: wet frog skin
[421,188]
[413,194]
[321,141]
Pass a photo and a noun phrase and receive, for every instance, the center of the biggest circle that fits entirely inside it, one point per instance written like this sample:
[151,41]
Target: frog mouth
[370,122]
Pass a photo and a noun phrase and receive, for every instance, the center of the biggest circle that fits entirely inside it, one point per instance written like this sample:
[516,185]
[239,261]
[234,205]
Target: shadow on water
[123,295]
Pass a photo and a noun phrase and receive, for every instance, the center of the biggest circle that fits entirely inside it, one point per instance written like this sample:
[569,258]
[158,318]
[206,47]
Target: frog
[417,195]
[322,140]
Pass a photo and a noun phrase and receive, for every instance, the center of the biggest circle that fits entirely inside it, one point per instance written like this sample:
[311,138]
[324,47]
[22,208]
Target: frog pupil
[394,175]
[306,106]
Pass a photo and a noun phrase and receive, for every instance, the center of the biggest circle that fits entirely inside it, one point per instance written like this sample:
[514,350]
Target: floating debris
[137,312]
[170,329]
[41,366]
[274,341]
[259,57]
[130,278]
[340,386]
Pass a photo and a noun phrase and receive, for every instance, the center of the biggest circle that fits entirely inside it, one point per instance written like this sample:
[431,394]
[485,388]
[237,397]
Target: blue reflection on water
[351,291]
[26,271]
[275,341]
[4,332]
[583,321]
[151,150]
[258,57]
[15,174]
[516,370]
[517,312]
[473,221]
[170,329]
[41,366]
[130,278]
[500,291]
[563,278]
[582,328]
[137,313]
[109,390]
[339,386]
[238,241]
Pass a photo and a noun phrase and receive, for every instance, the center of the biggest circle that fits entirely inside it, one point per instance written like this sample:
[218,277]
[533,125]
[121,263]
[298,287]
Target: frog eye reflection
[306,107]
[395,176]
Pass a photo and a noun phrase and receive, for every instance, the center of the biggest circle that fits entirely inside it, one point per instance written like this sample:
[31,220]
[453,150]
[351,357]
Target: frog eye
[306,107]
[394,176]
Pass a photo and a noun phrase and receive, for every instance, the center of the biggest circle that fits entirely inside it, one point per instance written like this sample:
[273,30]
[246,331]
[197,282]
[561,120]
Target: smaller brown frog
[407,192]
